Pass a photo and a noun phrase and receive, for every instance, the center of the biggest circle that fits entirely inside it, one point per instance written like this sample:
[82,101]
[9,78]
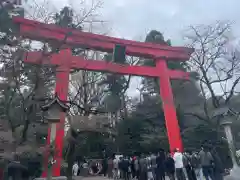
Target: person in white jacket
[178,159]
[75,169]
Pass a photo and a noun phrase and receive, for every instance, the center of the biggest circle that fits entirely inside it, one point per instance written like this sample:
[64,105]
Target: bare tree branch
[216,62]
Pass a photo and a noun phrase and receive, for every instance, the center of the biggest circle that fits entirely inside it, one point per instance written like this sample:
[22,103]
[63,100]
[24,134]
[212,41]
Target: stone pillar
[235,172]
[229,137]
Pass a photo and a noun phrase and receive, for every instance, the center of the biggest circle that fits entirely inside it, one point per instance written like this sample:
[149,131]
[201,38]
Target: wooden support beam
[78,62]
[46,32]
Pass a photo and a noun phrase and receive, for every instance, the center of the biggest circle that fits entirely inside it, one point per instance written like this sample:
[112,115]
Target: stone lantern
[53,109]
[226,116]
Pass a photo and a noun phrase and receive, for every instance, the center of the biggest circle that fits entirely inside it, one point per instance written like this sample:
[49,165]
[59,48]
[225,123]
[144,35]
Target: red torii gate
[65,61]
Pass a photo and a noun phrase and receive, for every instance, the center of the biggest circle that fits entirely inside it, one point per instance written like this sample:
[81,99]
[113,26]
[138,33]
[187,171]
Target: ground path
[94,178]
[91,178]
[99,178]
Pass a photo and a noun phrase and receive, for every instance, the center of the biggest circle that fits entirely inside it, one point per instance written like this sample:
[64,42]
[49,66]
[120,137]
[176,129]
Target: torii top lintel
[49,32]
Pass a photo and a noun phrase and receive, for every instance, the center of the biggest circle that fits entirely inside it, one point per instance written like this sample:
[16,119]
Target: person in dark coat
[132,167]
[170,167]
[142,168]
[160,174]
[137,167]
[16,171]
[206,160]
[188,166]
[196,165]
[110,168]
[218,169]
[104,166]
[120,166]
[125,168]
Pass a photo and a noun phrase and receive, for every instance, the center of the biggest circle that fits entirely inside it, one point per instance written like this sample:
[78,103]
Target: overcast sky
[132,19]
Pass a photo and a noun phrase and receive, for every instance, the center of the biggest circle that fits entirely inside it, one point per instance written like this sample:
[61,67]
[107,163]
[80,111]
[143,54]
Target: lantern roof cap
[55,100]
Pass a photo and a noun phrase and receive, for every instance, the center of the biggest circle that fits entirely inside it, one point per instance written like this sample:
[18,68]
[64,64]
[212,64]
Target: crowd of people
[204,164]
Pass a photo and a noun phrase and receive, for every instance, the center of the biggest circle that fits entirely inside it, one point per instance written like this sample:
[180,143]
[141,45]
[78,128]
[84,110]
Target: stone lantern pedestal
[235,171]
[53,110]
[227,115]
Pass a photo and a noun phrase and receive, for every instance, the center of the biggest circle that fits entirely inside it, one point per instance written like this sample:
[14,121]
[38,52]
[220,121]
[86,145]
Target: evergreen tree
[115,88]
[152,85]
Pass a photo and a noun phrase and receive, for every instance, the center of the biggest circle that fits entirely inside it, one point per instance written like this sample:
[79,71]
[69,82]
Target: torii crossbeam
[66,61]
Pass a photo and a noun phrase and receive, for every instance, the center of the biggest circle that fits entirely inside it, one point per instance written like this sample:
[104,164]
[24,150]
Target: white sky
[132,19]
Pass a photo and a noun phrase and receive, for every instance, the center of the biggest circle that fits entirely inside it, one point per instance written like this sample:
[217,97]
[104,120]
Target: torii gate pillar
[61,89]
[171,121]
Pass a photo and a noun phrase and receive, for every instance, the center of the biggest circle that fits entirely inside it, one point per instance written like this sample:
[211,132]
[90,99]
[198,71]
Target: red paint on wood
[173,130]
[45,32]
[61,89]
[78,62]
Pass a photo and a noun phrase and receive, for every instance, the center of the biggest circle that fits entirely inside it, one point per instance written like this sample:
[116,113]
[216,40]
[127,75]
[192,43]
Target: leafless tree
[217,61]
[15,75]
